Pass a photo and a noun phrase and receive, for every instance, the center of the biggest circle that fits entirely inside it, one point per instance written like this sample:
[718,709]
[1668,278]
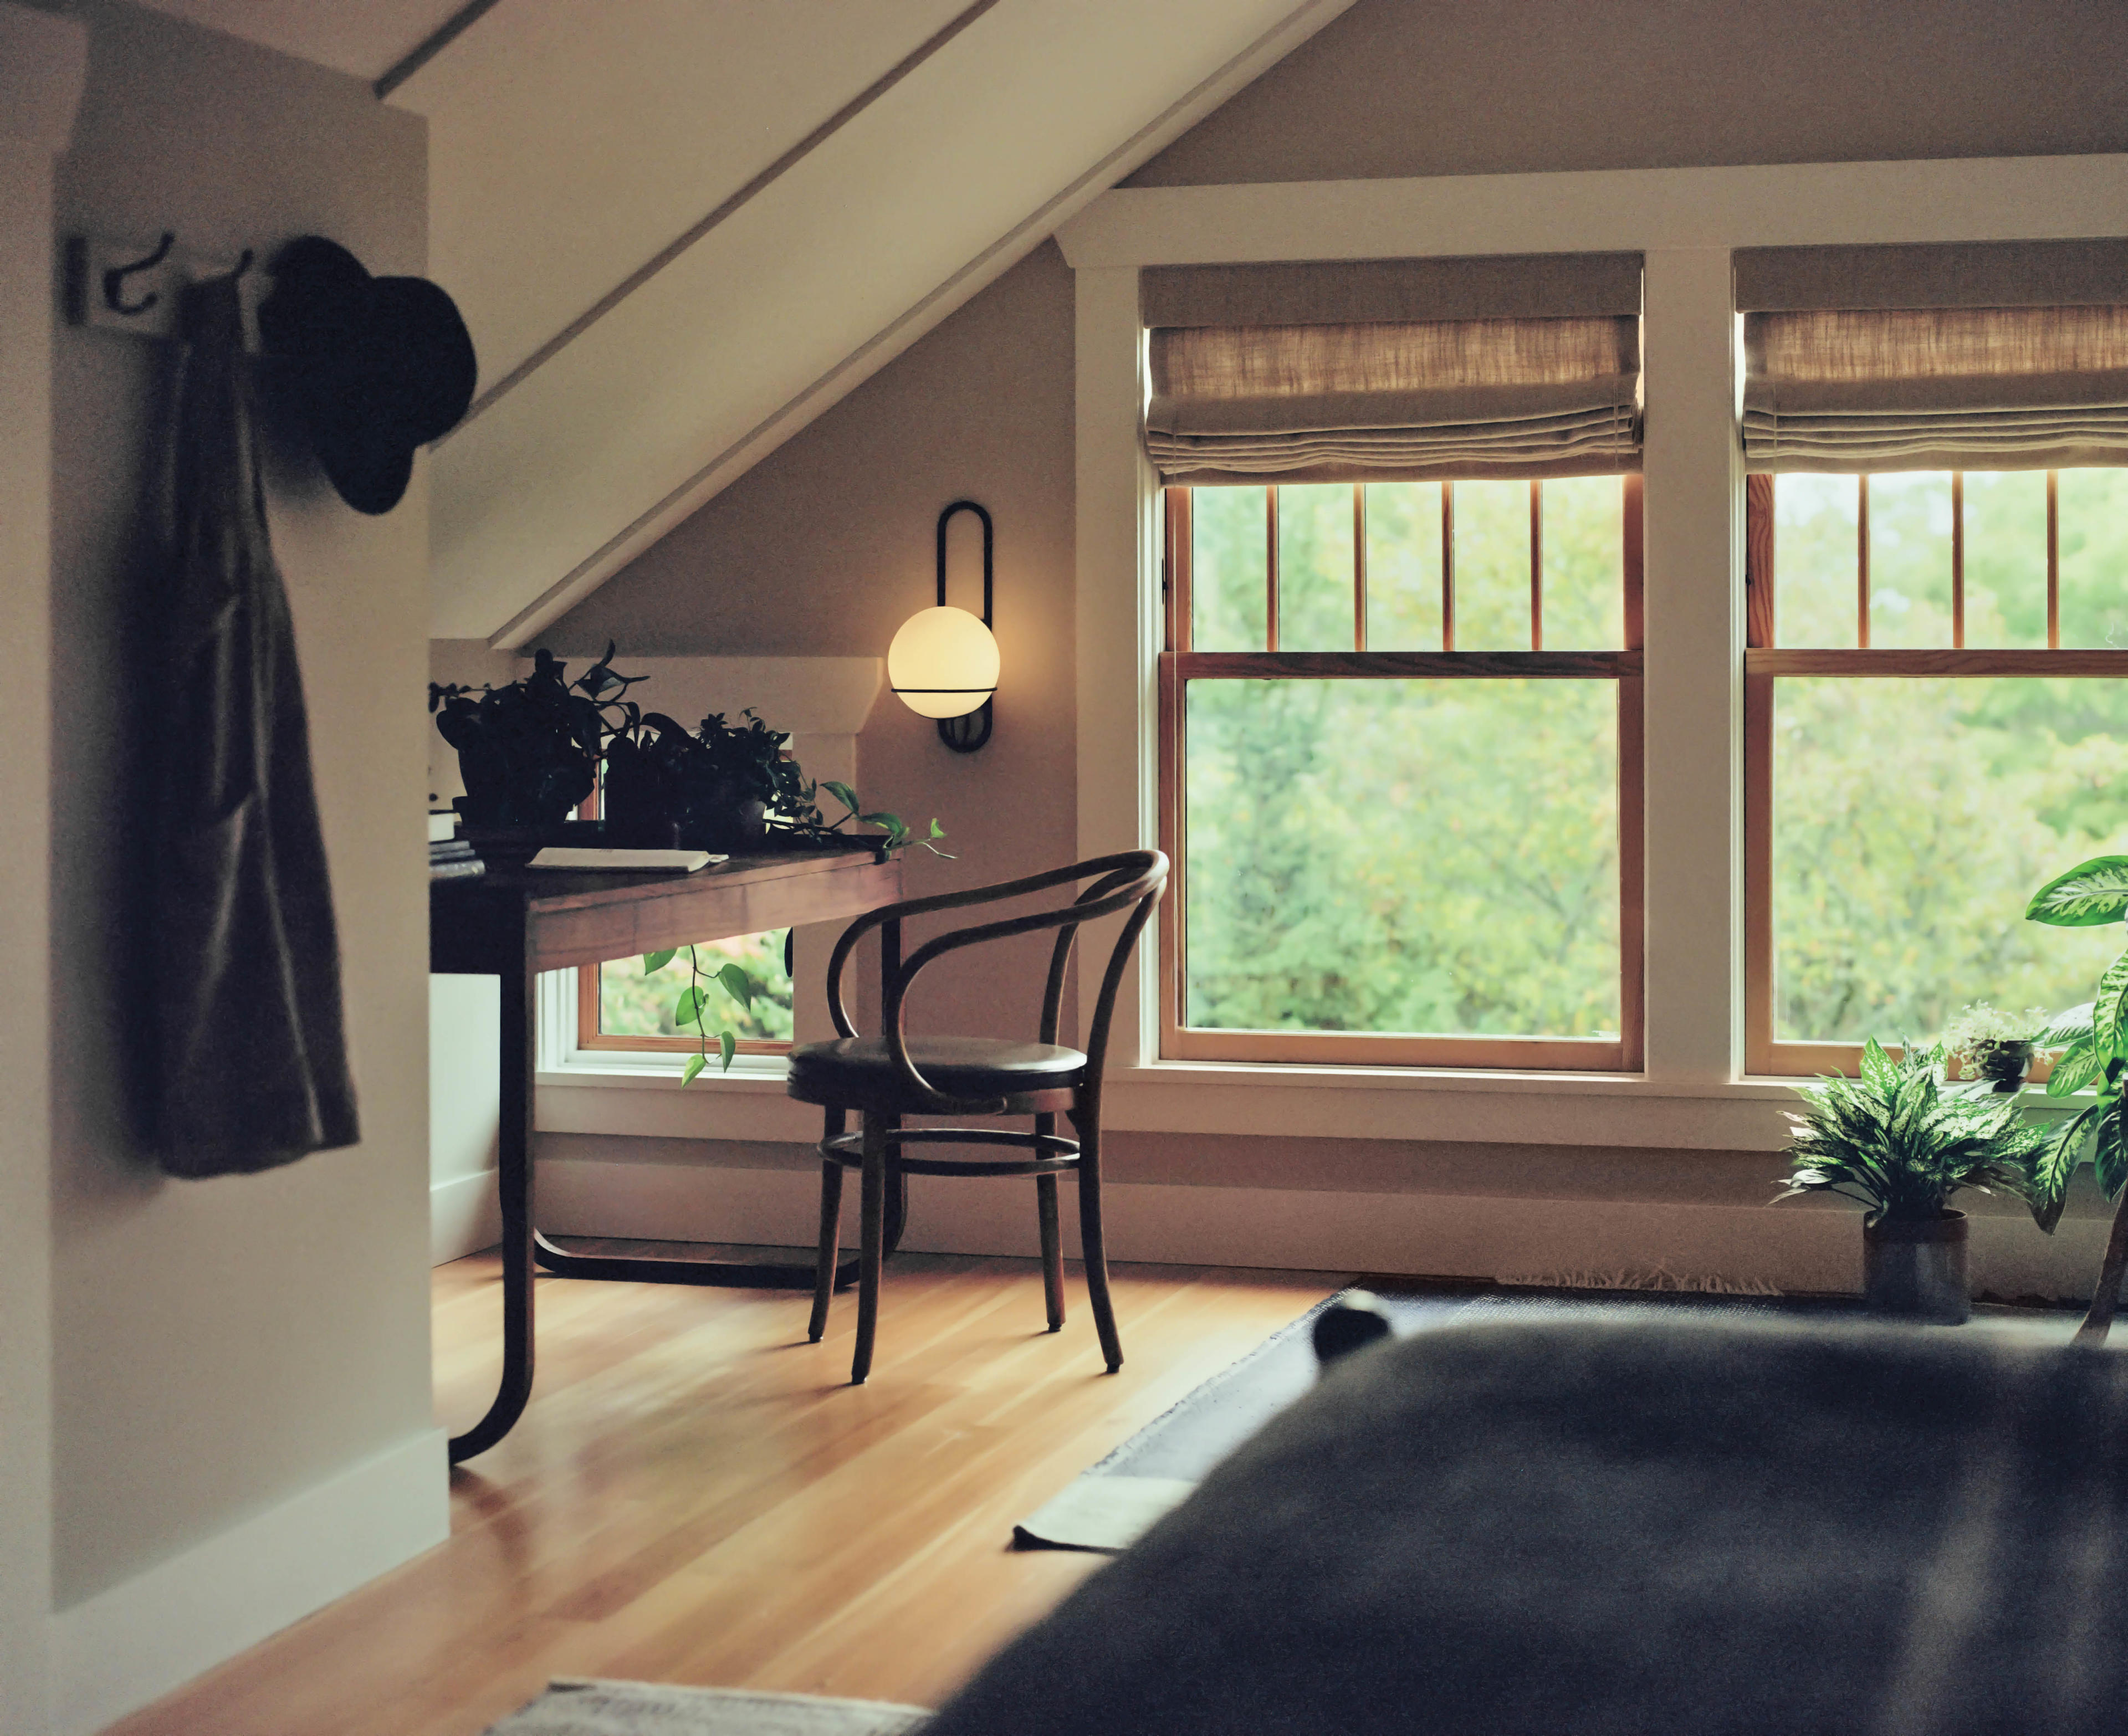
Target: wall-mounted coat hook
[126,285]
[115,277]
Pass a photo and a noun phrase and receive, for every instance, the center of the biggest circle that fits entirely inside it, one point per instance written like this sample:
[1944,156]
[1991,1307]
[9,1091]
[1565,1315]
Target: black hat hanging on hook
[375,367]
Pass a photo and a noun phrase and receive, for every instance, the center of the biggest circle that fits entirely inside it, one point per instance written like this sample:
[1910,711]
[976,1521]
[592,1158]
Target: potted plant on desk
[1901,1142]
[529,751]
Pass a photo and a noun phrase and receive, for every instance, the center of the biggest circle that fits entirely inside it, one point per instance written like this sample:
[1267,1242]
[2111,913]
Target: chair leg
[1092,1244]
[1053,1243]
[871,1248]
[831,1236]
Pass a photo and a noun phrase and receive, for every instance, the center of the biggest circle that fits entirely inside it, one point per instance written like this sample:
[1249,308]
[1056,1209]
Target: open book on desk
[672,861]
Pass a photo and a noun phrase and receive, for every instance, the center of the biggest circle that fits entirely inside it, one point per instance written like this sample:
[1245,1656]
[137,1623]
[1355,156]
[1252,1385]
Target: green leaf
[1878,1069]
[687,1010]
[738,984]
[2109,1155]
[2077,1067]
[841,793]
[2090,893]
[695,1063]
[2107,1009]
[2052,1170]
[937,830]
[658,961]
[729,1045]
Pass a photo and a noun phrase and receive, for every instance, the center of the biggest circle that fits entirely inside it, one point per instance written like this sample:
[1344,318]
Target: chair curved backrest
[1131,879]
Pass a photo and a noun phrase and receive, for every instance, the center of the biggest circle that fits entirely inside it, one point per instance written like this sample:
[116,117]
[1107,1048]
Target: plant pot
[1914,1268]
[2003,1066]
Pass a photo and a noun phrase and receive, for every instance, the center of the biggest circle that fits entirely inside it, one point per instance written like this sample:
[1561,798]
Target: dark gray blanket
[1624,1529]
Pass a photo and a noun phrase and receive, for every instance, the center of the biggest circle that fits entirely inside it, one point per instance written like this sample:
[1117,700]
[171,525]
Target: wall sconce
[943,662]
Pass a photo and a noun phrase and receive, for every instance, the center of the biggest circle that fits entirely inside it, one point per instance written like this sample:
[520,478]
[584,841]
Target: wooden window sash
[1182,663]
[1765,660]
[589,1035]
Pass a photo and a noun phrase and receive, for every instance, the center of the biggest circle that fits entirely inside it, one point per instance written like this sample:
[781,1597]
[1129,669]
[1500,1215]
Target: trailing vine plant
[795,816]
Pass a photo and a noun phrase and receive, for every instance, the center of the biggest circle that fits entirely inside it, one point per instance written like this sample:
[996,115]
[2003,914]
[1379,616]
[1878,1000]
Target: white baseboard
[137,1641]
[1795,1248]
[464,1215]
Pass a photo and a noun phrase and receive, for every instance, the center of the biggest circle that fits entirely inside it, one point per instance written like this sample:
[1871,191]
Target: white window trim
[1686,222]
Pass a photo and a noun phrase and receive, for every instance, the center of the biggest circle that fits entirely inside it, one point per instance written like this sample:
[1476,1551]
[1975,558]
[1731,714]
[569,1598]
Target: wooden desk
[512,923]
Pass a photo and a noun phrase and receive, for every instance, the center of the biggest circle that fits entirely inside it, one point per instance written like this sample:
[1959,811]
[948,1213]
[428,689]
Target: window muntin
[1306,782]
[1934,718]
[620,1007]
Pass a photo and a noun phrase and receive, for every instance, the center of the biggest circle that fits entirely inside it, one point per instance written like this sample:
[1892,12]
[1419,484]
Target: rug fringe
[1656,1278]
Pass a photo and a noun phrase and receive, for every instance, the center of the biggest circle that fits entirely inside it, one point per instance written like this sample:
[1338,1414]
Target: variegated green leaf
[2054,1166]
[2090,893]
[2107,1009]
[2109,1155]
[2076,1067]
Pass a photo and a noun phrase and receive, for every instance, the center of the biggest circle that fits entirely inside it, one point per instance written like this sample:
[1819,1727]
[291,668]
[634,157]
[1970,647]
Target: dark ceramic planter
[1915,1270]
[2003,1066]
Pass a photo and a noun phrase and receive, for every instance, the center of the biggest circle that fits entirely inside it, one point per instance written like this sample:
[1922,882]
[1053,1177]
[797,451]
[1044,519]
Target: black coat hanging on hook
[374,367]
[250,1056]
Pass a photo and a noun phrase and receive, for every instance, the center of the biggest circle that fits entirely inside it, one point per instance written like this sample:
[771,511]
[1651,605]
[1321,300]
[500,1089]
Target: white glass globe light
[943,663]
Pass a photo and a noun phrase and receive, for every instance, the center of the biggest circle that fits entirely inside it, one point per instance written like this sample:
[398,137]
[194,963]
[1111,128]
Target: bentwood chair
[884,1078]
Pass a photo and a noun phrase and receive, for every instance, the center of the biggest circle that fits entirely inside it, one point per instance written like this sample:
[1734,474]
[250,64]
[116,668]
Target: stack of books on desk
[450,858]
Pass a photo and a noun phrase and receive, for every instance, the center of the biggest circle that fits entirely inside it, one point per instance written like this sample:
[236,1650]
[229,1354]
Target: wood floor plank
[696,1493]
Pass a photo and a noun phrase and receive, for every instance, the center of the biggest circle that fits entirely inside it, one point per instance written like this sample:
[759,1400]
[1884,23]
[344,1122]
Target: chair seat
[858,1072]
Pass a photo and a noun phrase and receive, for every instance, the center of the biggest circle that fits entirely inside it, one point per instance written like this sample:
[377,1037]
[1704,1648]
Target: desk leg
[513,1162]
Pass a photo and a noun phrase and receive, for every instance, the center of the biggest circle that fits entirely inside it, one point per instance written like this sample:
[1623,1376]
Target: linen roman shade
[1389,370]
[1987,356]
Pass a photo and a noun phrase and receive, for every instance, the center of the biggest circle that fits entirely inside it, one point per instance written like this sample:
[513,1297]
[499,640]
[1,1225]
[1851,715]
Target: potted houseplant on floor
[2090,895]
[1901,1141]
[1989,1043]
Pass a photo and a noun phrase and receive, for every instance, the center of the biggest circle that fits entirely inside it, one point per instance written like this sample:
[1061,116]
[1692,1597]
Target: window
[1400,741]
[1400,753]
[1935,719]
[619,1006]
[1937,631]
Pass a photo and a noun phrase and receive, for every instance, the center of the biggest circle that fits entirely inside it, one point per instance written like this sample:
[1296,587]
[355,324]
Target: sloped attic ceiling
[675,243]
[680,230]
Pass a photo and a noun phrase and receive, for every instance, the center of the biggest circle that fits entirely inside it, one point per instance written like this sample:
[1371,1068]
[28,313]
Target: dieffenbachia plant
[2089,895]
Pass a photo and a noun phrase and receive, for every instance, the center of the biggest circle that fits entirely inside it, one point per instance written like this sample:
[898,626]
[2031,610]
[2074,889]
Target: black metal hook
[114,279]
[966,733]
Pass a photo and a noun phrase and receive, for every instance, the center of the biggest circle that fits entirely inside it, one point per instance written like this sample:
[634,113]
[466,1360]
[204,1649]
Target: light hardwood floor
[694,1494]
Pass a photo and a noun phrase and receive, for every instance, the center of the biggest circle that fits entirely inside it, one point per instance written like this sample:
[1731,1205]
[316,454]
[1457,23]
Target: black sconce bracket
[966,733]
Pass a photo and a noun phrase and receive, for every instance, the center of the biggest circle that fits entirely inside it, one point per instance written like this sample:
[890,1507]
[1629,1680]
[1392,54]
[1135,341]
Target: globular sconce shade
[943,662]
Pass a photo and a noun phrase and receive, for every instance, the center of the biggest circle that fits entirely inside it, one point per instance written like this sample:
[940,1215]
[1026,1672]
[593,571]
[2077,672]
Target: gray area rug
[1110,1506]
[586,1708]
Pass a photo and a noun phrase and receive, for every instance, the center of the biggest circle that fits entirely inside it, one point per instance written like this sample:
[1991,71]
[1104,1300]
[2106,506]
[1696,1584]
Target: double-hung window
[1400,696]
[1937,630]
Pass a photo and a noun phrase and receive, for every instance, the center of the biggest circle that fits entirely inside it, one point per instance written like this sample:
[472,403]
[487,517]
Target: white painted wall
[241,1419]
[42,62]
